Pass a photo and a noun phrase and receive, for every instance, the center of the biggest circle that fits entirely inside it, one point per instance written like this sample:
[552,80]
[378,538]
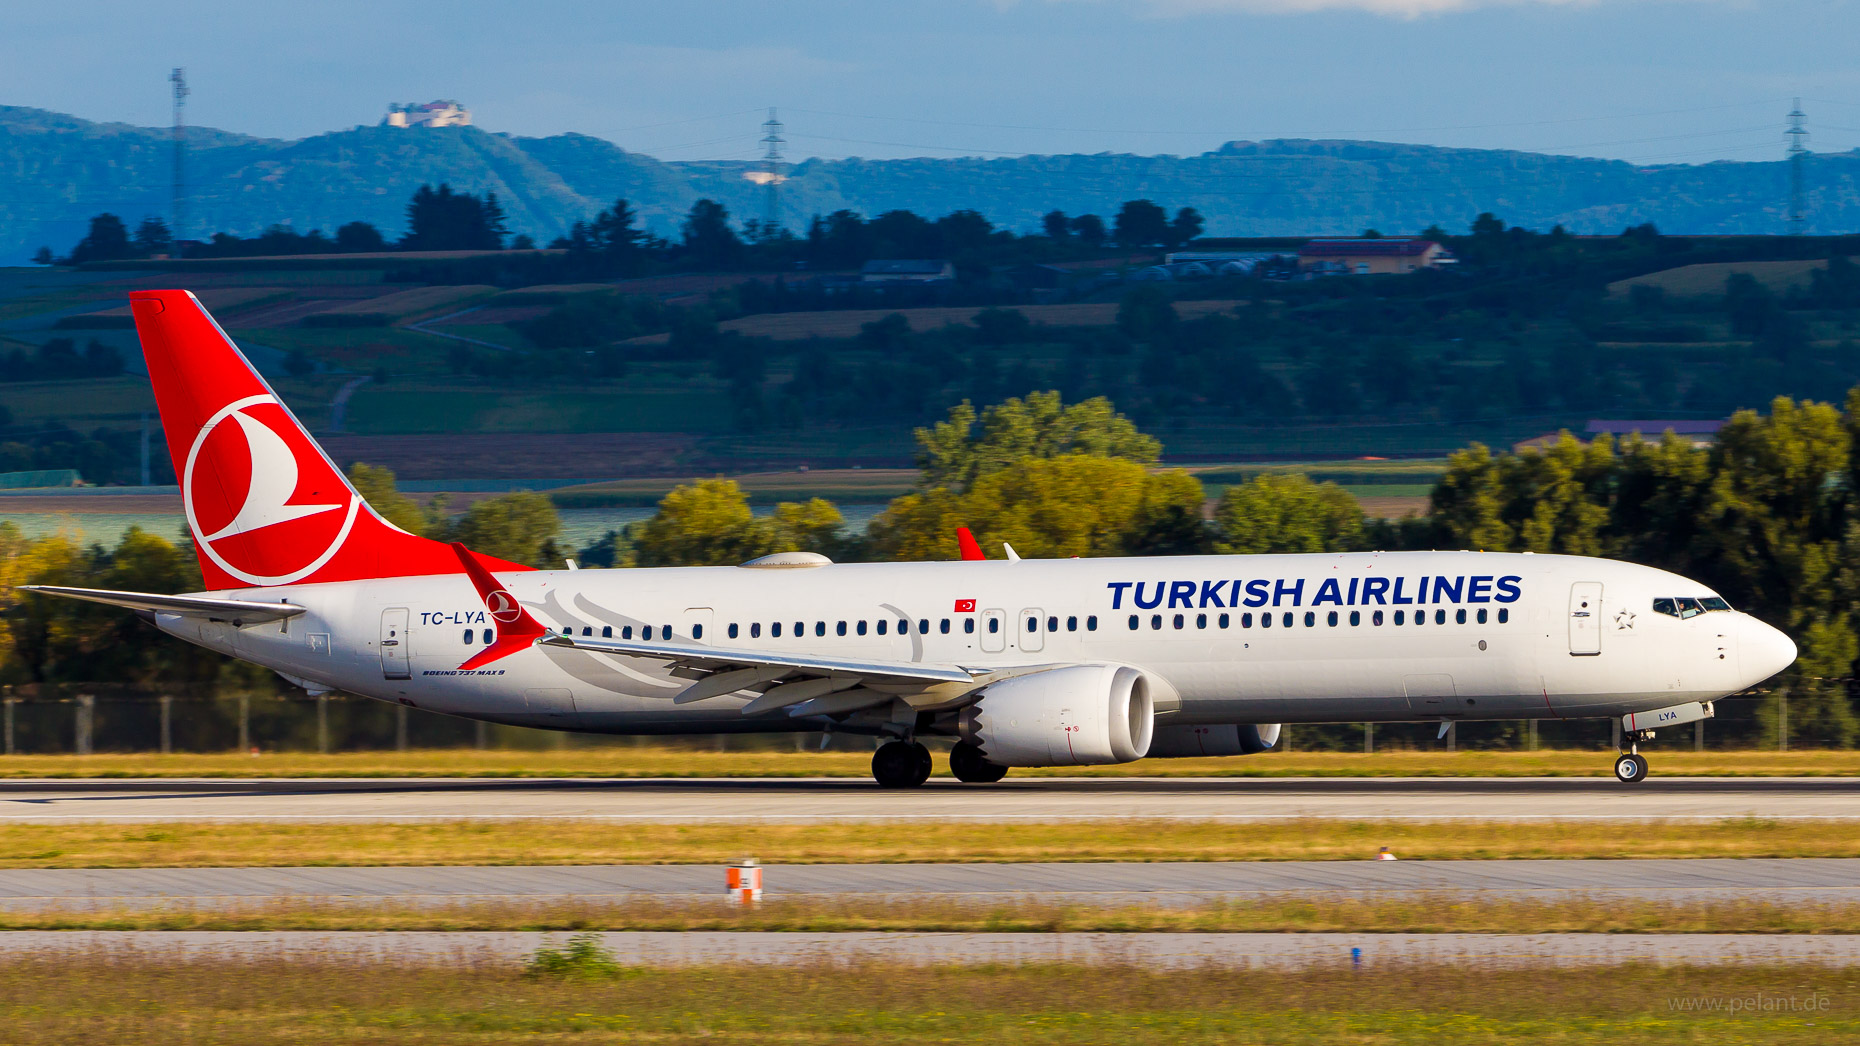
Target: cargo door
[994,631]
[1585,618]
[394,646]
[1032,636]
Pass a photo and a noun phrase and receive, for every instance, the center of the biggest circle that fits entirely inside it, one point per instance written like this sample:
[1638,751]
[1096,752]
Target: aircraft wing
[238,611]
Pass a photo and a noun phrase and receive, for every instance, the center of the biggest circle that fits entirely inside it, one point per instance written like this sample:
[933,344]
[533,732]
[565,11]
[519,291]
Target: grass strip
[319,1001]
[195,844]
[682,762]
[1433,912]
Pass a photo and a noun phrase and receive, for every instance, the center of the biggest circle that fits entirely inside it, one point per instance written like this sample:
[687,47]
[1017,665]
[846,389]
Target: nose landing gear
[1631,766]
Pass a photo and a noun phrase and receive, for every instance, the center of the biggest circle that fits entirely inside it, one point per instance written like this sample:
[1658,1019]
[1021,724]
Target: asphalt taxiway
[836,799]
[1778,881]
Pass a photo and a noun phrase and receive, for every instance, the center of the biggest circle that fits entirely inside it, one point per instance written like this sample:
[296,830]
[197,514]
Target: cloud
[1386,8]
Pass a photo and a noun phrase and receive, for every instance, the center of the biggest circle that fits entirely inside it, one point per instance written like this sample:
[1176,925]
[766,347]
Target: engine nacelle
[1066,717]
[1183,741]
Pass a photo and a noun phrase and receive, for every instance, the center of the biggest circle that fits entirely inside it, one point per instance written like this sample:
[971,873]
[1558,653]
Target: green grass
[415,407]
[191,844]
[326,998]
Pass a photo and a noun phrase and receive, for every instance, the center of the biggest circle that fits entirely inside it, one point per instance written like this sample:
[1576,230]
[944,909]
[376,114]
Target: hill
[59,170]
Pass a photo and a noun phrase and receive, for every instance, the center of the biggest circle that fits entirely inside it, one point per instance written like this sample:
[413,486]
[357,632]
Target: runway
[1780,881]
[1151,950]
[841,799]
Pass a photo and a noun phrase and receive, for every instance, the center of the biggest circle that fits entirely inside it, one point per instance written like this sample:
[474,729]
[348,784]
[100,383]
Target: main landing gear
[1631,766]
[971,767]
[901,764]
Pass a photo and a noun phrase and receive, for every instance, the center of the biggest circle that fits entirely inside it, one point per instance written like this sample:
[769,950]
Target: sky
[1649,81]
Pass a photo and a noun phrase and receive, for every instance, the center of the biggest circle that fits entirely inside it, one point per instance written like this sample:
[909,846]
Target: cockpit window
[1686,607]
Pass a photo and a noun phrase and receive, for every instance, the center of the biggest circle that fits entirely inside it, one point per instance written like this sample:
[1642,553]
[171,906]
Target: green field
[324,998]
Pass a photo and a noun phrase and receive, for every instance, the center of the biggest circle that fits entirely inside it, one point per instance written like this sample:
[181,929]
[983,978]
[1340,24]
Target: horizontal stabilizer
[238,611]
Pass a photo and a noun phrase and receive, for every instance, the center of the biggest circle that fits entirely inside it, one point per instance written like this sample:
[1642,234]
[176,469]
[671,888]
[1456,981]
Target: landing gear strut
[969,765]
[901,764]
[1631,766]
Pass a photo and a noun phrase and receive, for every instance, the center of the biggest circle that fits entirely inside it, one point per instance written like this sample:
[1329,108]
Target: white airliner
[1025,662]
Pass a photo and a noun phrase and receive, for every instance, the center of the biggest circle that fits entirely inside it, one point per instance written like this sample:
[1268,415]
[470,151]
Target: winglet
[971,549]
[516,629]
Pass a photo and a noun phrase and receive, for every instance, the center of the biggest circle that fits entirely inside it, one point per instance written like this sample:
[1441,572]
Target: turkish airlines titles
[1357,591]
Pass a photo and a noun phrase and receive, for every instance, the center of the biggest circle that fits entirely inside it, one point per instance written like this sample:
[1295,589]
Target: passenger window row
[1289,619]
[775,629]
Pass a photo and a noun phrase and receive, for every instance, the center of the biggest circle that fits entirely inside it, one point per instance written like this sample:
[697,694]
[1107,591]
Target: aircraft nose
[1763,651]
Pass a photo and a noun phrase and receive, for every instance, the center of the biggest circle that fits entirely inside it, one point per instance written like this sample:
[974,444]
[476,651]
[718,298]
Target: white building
[443,113]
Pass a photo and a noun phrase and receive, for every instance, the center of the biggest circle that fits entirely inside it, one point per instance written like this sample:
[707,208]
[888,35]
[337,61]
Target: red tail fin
[965,540]
[263,502]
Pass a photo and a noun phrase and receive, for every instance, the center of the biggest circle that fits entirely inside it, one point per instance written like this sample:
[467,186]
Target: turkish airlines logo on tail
[503,607]
[261,500]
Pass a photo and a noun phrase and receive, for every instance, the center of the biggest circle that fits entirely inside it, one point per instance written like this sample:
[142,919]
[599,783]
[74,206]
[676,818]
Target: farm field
[1694,281]
[798,326]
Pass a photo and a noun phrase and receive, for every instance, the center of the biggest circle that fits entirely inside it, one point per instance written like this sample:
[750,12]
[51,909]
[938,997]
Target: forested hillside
[56,171]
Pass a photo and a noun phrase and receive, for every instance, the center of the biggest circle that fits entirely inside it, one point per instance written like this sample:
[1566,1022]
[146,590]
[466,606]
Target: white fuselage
[1417,635]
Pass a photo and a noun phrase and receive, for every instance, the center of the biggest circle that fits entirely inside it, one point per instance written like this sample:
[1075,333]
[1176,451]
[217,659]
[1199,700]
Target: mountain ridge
[57,170]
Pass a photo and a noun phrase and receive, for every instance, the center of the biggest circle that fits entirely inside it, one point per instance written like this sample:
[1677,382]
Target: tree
[1048,508]
[1186,225]
[359,238]
[1140,223]
[443,220]
[709,523]
[957,452]
[43,256]
[964,230]
[152,237]
[107,240]
[1287,513]
[1090,229]
[519,527]
[708,238]
[1055,225]
[376,486]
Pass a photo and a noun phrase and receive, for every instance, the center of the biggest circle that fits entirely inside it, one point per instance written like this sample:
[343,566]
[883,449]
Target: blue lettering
[1508,588]
[1256,594]
[1375,588]
[1328,592]
[1117,593]
[1448,589]
[1211,593]
[1421,597]
[1234,600]
[1281,589]
[1181,595]
[1480,591]
[1154,601]
[1397,597]
[1353,583]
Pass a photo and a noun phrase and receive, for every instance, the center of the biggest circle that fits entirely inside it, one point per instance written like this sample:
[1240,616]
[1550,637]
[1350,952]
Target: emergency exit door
[1585,618]
[394,646]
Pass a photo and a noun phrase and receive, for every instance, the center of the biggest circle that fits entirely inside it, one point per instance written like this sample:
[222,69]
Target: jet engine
[1074,716]
[1182,741]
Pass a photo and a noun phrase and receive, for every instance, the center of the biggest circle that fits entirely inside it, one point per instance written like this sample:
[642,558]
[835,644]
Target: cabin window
[1091,623]
[968,626]
[923,626]
[994,625]
[489,637]
[588,630]
[1310,619]
[568,630]
[697,631]
[1440,617]
[607,631]
[1033,624]
[944,628]
[734,632]
[1482,615]
[1459,617]
[883,626]
[1375,618]
[646,632]
[755,630]
[1178,621]
[1224,620]
[820,628]
[471,635]
[1683,607]
[1201,620]
[1504,614]
[1133,622]
[1246,621]
[665,631]
[1356,618]
[1072,624]
[1331,619]
[904,626]
[775,630]
[841,630]
[1288,619]
[859,627]
[1265,620]
[1155,622]
[1052,624]
[1714,603]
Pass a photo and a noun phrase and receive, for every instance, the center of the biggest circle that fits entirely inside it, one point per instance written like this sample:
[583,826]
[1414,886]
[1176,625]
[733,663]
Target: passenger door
[1585,618]
[697,624]
[994,631]
[1032,637]
[395,652]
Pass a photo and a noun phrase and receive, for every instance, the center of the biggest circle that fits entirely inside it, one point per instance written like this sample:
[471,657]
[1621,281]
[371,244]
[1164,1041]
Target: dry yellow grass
[1437,912]
[194,844]
[845,323]
[670,761]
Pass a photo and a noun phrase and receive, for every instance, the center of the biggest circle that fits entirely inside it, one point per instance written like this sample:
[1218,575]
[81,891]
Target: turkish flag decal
[965,606]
